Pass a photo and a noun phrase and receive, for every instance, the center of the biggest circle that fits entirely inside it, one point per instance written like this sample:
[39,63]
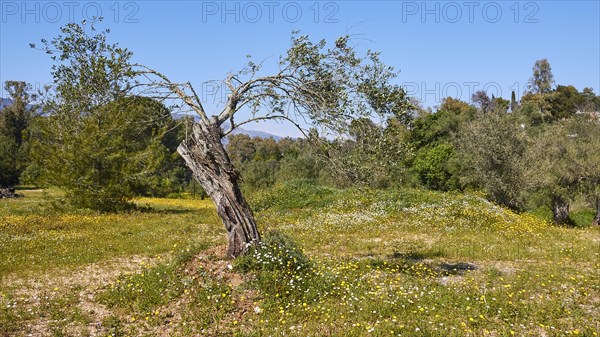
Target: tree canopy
[14,123]
[99,142]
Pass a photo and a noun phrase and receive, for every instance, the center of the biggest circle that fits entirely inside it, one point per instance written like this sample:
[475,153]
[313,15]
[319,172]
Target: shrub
[280,267]
[293,194]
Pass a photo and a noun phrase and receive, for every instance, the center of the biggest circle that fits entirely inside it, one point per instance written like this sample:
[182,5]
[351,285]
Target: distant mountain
[255,133]
[4,102]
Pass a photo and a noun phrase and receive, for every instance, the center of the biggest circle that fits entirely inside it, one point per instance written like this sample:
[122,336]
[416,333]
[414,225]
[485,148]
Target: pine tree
[105,158]
[14,121]
[98,142]
[513,101]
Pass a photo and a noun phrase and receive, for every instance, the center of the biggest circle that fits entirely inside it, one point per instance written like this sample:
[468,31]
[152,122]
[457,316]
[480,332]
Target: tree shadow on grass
[416,256]
[459,268]
[150,210]
[412,261]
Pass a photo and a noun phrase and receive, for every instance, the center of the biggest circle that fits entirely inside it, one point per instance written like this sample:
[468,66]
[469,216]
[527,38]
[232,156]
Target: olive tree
[564,162]
[493,149]
[314,83]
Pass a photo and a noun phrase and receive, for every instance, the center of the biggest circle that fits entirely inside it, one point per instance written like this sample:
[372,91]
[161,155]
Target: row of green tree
[541,150]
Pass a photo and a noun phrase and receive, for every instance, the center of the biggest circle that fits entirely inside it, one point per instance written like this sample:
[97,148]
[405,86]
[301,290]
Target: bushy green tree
[374,155]
[591,102]
[437,167]
[302,159]
[500,105]
[435,163]
[563,162]
[542,79]
[98,140]
[15,120]
[565,101]
[492,150]
[104,158]
[357,158]
[561,103]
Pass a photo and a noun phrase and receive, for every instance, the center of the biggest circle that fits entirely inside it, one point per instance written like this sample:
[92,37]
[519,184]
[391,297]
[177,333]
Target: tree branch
[176,89]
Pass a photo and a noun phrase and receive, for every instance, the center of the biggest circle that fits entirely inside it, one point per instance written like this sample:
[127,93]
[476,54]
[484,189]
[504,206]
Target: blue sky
[442,48]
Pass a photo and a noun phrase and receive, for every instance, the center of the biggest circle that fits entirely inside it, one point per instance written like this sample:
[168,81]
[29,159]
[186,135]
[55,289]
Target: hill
[335,262]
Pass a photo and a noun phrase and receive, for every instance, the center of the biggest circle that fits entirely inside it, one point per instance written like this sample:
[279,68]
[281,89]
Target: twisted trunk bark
[561,211]
[205,155]
[596,221]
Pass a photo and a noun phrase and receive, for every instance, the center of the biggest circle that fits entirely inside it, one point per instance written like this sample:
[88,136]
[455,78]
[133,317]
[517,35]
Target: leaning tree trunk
[560,211]
[596,221]
[205,155]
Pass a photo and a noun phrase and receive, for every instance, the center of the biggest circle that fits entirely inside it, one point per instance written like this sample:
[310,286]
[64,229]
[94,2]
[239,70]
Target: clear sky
[442,48]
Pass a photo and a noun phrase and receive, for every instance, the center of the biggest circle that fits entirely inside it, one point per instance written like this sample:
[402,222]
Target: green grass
[582,217]
[339,263]
[35,238]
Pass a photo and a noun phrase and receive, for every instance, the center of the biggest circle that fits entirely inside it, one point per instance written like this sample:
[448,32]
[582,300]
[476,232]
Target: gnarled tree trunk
[205,155]
[560,211]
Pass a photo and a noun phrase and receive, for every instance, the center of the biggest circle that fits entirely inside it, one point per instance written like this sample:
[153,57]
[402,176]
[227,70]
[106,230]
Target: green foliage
[541,80]
[514,105]
[562,102]
[564,160]
[432,139]
[373,156]
[259,174]
[500,105]
[437,167]
[565,101]
[263,162]
[458,107]
[109,156]
[99,143]
[15,120]
[299,165]
[440,126]
[492,149]
[591,102]
[9,172]
[337,84]
[292,194]
[533,111]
